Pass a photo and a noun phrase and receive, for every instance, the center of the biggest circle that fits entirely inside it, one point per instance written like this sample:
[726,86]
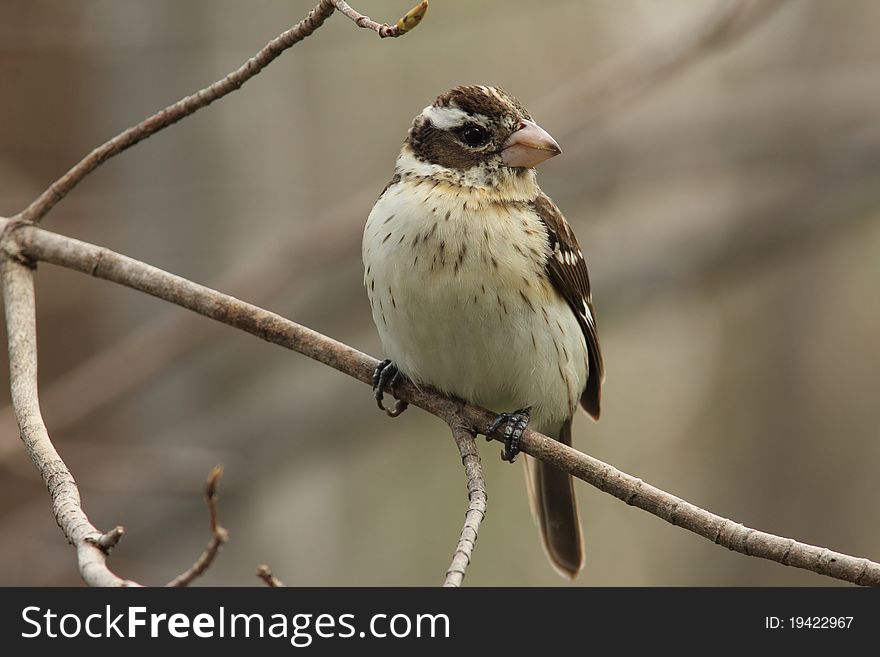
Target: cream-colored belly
[459,307]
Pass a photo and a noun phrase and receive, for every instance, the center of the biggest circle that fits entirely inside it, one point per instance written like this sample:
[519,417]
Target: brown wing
[568,273]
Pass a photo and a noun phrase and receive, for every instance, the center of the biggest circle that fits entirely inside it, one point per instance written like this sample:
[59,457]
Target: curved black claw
[387,376]
[514,425]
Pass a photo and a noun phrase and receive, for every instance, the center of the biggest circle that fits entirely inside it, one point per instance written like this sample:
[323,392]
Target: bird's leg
[388,376]
[514,425]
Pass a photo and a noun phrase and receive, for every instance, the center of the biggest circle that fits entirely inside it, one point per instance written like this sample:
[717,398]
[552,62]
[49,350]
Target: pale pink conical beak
[529,146]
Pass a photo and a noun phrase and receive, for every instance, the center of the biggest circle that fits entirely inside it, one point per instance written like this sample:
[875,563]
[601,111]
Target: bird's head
[479,134]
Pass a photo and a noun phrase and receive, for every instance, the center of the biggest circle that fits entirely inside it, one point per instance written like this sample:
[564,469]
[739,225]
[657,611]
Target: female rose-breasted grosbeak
[479,288]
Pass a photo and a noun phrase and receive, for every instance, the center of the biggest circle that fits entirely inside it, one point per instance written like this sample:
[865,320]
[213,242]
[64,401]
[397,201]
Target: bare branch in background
[623,79]
[40,245]
[109,540]
[632,75]
[219,535]
[476,511]
[18,298]
[406,23]
[265,574]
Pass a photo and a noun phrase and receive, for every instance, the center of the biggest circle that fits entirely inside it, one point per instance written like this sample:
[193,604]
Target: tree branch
[175,112]
[680,513]
[37,244]
[476,511]
[204,97]
[91,544]
[155,343]
[406,23]
[219,535]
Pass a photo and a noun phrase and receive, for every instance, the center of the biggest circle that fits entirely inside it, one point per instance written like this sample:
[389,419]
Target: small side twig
[219,535]
[476,510]
[265,574]
[405,24]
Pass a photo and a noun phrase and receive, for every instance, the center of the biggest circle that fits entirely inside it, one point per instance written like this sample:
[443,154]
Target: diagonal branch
[155,343]
[190,104]
[175,112]
[37,244]
[681,513]
[91,544]
[219,535]
[476,511]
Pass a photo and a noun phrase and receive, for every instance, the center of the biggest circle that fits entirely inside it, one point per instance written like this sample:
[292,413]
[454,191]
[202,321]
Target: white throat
[495,181]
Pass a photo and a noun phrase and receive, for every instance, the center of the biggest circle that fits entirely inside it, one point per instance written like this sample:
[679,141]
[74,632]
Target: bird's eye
[474,135]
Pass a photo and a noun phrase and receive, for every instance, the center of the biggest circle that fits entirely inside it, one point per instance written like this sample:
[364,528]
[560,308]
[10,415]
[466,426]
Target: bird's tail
[554,507]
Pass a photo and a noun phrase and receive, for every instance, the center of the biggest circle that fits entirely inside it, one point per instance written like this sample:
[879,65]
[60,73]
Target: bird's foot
[514,425]
[387,376]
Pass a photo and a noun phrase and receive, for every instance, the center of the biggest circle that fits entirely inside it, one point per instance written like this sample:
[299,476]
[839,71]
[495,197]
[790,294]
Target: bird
[479,288]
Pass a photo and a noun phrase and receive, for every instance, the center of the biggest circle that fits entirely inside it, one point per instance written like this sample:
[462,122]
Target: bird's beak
[529,146]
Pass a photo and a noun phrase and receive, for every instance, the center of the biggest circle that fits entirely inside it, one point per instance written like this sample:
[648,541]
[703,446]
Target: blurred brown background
[730,218]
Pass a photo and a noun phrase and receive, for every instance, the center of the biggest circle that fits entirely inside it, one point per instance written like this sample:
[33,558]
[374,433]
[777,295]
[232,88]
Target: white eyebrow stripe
[445,118]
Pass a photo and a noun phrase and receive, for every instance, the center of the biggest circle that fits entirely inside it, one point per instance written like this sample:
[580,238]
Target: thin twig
[219,535]
[38,244]
[18,297]
[476,511]
[405,24]
[175,112]
[265,574]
